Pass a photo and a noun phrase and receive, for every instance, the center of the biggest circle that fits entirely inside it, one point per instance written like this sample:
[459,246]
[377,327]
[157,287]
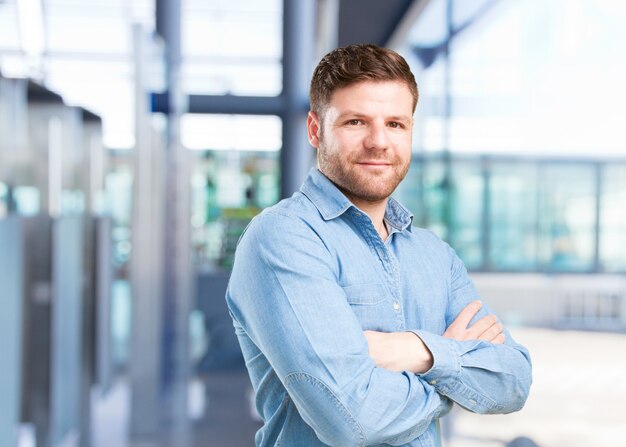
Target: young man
[358,329]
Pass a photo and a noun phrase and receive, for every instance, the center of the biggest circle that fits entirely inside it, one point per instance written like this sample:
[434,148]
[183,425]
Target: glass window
[410,192]
[613,219]
[231,132]
[513,216]
[513,71]
[465,205]
[119,198]
[235,175]
[567,210]
[9,31]
[436,217]
[228,189]
[218,58]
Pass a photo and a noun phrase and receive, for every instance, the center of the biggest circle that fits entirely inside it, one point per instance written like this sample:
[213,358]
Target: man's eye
[395,125]
[354,122]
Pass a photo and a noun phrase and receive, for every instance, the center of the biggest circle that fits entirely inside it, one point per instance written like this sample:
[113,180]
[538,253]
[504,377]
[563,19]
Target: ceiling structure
[371,21]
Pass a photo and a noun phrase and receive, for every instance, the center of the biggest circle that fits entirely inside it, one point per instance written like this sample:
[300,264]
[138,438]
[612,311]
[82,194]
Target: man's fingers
[466,315]
[500,339]
[481,326]
[492,332]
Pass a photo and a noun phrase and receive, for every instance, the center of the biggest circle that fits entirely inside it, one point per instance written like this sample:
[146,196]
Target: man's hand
[487,328]
[405,351]
[399,351]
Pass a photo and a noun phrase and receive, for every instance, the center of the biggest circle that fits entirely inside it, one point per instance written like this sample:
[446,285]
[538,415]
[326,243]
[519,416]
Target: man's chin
[369,194]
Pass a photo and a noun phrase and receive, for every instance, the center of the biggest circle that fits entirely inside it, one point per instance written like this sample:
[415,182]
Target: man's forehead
[360,98]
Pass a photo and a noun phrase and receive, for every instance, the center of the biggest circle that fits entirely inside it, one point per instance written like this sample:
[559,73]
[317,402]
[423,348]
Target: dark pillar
[296,156]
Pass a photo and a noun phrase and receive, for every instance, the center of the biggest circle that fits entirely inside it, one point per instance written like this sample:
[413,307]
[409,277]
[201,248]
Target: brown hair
[356,63]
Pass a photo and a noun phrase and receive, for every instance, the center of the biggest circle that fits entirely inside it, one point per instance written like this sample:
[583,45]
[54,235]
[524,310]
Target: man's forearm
[399,351]
[406,351]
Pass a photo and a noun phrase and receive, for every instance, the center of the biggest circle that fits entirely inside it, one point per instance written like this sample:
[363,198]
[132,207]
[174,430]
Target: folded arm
[475,362]
[405,351]
[284,293]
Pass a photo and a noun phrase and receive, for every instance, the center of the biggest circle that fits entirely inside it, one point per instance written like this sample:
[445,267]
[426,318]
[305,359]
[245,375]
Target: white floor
[578,397]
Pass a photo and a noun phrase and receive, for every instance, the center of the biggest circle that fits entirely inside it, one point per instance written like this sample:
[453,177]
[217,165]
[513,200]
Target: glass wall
[218,58]
[228,190]
[526,214]
[612,233]
[567,217]
[518,132]
[513,199]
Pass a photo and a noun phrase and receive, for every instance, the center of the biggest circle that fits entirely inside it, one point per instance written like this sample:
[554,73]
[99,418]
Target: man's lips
[374,163]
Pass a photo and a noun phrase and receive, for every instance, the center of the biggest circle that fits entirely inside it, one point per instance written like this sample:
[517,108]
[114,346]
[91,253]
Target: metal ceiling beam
[370,21]
[401,32]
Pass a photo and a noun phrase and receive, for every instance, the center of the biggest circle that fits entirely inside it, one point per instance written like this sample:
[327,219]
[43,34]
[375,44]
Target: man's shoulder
[293,213]
[425,235]
[427,240]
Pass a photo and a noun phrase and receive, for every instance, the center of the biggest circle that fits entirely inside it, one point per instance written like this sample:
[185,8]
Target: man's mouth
[374,164]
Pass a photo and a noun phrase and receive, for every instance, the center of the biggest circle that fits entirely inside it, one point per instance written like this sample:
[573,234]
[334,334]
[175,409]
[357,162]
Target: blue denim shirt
[310,275]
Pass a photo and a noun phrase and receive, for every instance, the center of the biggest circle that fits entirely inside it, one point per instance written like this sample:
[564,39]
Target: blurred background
[139,137]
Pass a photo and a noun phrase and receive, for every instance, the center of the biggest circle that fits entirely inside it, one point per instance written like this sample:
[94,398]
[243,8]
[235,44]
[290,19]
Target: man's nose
[377,137]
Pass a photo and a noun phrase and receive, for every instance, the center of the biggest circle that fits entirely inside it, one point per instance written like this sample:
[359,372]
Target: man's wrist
[420,355]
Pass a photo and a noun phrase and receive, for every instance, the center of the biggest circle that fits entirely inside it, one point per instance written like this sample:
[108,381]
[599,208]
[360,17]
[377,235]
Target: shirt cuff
[446,359]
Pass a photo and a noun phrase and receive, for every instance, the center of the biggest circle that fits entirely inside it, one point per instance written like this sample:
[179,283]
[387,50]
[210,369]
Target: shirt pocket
[371,303]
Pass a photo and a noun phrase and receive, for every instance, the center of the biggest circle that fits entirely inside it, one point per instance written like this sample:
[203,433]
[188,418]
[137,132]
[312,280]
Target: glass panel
[436,197]
[9,31]
[513,216]
[27,200]
[65,27]
[613,219]
[119,194]
[228,189]
[466,217]
[410,192]
[231,132]
[567,217]
[244,77]
[235,176]
[512,73]
[217,56]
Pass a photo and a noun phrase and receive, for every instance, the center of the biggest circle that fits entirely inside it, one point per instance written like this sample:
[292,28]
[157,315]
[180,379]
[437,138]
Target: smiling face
[363,139]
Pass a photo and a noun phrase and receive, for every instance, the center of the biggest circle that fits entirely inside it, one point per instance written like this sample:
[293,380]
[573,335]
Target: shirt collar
[332,203]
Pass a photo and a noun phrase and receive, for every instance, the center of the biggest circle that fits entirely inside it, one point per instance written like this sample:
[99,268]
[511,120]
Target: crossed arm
[405,351]
[304,327]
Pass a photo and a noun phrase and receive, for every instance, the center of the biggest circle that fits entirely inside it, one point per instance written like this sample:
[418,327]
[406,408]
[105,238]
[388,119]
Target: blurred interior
[138,138]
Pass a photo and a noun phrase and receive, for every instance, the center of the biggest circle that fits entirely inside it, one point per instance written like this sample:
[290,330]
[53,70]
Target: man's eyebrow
[355,114]
[400,118]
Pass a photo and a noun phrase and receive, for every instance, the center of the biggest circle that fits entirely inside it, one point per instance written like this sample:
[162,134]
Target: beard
[357,182]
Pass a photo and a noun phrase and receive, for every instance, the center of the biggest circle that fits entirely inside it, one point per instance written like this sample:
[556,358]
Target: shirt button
[433,382]
[396,305]
[472,401]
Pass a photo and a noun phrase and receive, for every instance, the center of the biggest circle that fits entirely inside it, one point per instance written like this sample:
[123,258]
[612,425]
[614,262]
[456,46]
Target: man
[358,329]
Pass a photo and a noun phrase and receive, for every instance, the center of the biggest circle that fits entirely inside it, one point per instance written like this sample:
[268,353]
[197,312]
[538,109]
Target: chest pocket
[371,303]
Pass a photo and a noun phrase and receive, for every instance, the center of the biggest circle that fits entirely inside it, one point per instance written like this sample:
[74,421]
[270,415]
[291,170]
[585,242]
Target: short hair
[357,63]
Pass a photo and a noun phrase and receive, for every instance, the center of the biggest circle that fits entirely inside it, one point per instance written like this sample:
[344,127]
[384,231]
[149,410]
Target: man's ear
[313,129]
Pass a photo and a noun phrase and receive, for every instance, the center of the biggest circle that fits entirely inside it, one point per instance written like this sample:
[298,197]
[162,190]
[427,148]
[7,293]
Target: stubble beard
[356,183]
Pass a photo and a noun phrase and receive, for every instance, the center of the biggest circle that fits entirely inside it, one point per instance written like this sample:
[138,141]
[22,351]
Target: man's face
[364,138]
